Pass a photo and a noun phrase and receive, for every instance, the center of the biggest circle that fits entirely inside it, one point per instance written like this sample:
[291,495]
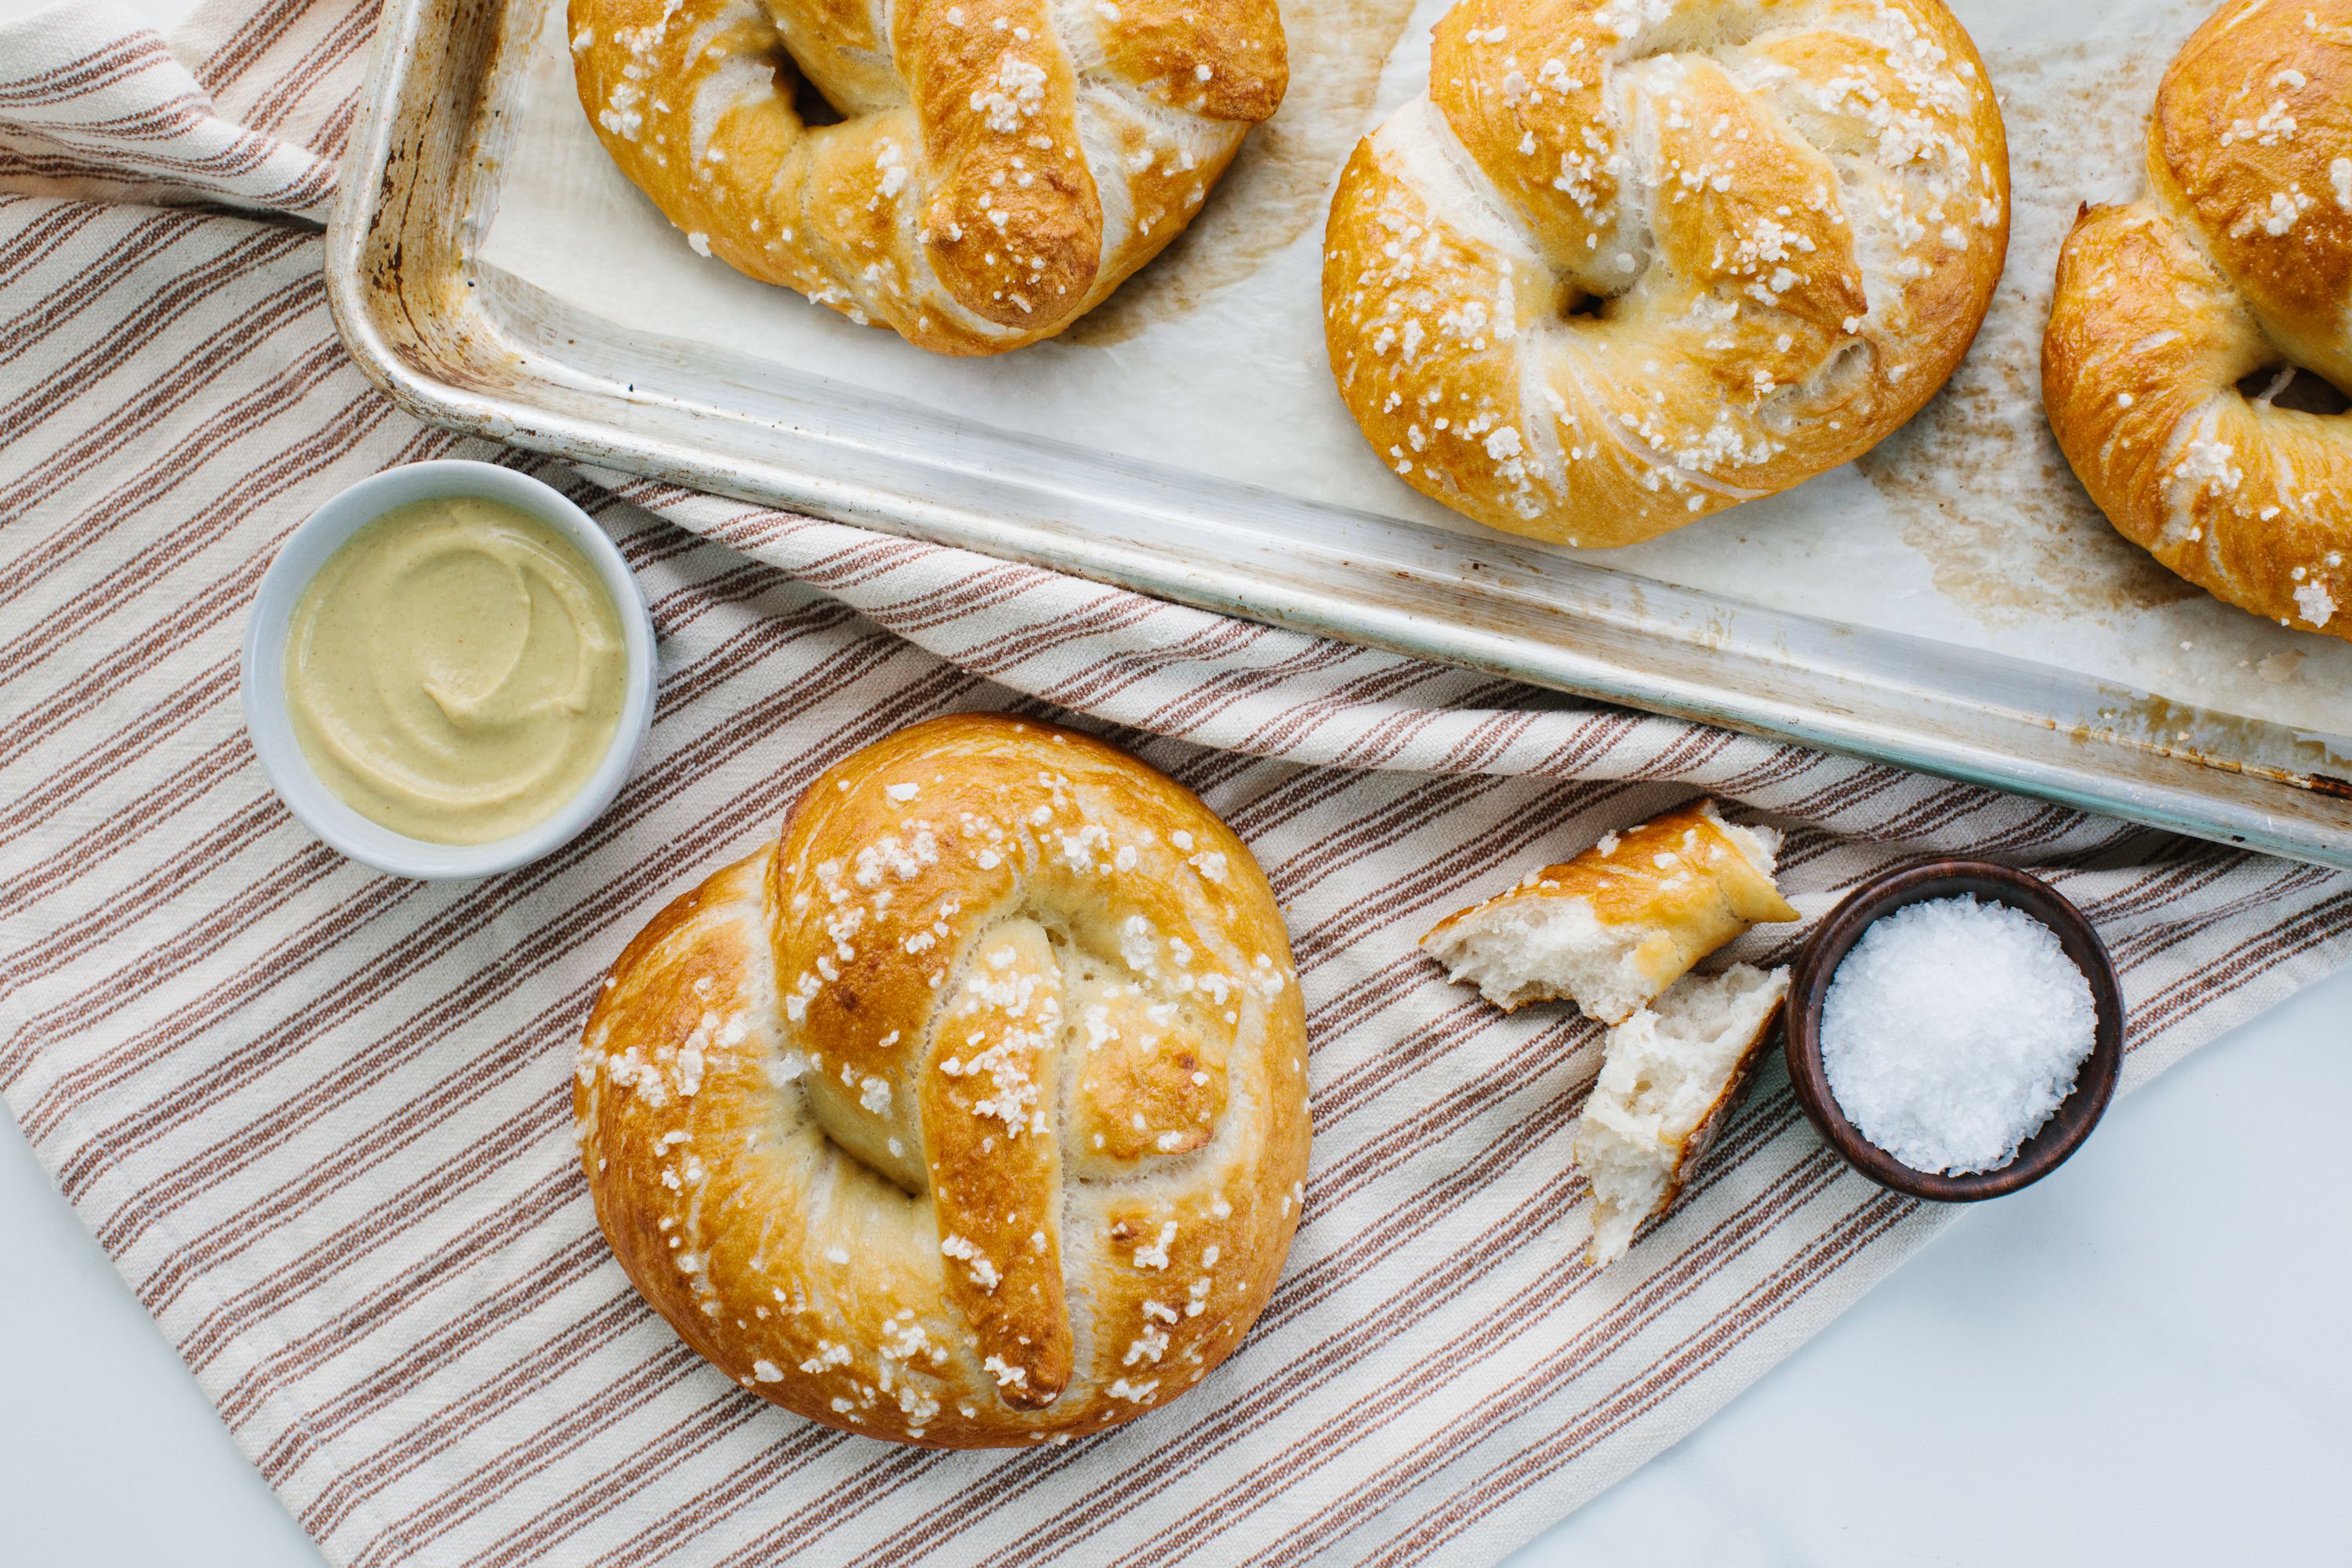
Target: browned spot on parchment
[1982,492]
[1273,190]
[1976,481]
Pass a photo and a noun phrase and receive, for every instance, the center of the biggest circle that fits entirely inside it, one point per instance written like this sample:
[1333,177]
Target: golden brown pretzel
[1784,218]
[974,1112]
[1002,165]
[2237,264]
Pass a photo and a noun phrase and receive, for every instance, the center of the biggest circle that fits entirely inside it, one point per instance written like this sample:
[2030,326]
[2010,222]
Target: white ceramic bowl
[264,671]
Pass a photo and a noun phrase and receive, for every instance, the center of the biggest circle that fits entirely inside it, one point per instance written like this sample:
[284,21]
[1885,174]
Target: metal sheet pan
[478,348]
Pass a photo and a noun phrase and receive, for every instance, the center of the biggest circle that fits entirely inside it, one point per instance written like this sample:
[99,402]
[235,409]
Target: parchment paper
[1966,527]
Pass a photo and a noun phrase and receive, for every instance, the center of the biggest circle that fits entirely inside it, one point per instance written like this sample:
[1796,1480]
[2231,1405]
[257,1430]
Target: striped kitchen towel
[320,1119]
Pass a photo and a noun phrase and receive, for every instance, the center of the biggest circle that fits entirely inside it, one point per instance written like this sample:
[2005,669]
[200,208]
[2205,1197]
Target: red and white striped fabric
[321,1117]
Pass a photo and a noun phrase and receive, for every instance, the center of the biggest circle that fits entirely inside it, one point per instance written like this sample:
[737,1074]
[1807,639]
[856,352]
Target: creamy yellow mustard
[456,671]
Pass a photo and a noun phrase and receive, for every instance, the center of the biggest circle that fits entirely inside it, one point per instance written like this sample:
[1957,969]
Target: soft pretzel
[1629,262]
[2237,264]
[974,1112]
[1001,166]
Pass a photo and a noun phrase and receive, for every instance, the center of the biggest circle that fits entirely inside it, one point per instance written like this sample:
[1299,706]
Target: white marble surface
[2141,1360]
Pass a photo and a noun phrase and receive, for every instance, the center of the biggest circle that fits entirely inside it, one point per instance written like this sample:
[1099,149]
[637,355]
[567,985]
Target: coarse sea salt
[1952,1030]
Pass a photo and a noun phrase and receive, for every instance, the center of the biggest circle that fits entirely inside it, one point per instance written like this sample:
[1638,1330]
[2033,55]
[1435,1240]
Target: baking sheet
[1964,528]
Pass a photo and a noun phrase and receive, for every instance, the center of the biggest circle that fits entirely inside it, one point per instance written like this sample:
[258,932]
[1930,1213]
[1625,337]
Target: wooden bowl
[1809,983]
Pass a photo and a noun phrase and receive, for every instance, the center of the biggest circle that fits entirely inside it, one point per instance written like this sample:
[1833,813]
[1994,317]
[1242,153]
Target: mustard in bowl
[447,670]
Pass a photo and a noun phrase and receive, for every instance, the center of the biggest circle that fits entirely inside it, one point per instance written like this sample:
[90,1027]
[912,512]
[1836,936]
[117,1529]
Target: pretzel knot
[2235,267]
[1000,167]
[972,1113]
[1629,262]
